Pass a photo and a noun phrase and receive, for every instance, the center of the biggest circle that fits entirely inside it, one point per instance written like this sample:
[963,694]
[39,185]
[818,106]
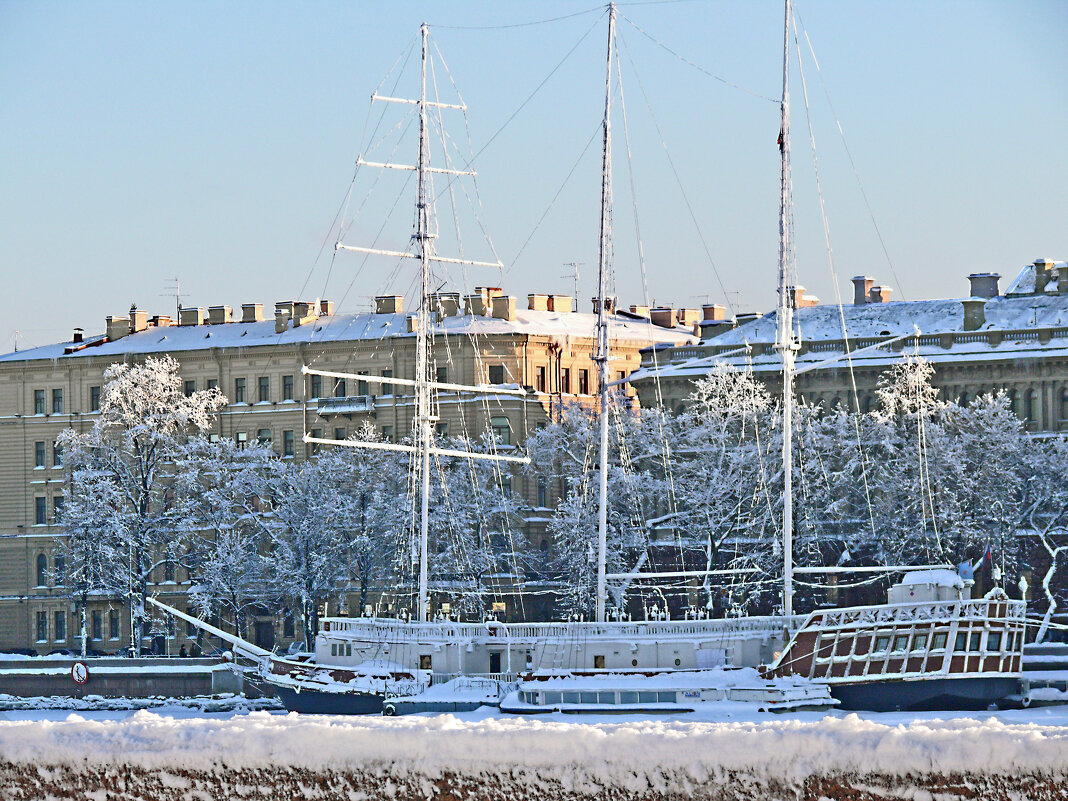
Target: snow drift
[328,757]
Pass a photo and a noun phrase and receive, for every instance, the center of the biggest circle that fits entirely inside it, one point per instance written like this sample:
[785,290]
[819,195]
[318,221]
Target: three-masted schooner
[929,647]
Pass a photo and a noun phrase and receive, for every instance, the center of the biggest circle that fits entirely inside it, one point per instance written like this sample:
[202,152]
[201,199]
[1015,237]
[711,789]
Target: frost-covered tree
[145,421]
[1045,515]
[226,552]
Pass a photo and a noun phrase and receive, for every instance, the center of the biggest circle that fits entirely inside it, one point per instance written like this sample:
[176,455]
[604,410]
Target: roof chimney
[282,315]
[138,320]
[747,317]
[304,312]
[477,305]
[538,302]
[326,308]
[640,311]
[561,304]
[1062,278]
[983,285]
[1043,272]
[117,327]
[161,320]
[688,318]
[446,304]
[879,294]
[78,335]
[504,307]
[217,315]
[389,304]
[862,285]
[974,313]
[191,315]
[251,312]
[663,316]
[714,311]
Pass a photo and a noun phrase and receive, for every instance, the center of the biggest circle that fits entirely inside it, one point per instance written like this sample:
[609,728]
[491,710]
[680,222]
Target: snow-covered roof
[350,328]
[1024,283]
[1017,321]
[940,577]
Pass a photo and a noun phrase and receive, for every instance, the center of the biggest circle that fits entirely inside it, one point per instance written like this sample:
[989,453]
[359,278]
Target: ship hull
[318,702]
[965,693]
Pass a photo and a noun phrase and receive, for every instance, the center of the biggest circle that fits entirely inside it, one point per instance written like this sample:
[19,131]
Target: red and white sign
[79,672]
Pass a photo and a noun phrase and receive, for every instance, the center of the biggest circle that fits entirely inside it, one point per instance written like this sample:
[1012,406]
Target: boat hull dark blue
[316,702]
[970,693]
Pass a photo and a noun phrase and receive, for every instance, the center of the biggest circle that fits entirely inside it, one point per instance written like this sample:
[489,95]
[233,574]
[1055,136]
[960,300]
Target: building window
[42,570]
[239,390]
[506,485]
[361,388]
[339,433]
[57,401]
[114,629]
[212,383]
[60,569]
[1064,405]
[287,387]
[565,380]
[40,511]
[502,432]
[96,625]
[189,387]
[442,429]
[242,440]
[1030,409]
[543,492]
[387,433]
[317,433]
[168,570]
[339,388]
[57,513]
[38,454]
[539,379]
[57,455]
[264,437]
[38,401]
[584,382]
[42,627]
[288,440]
[94,399]
[288,625]
[61,626]
[317,386]
[264,389]
[496,373]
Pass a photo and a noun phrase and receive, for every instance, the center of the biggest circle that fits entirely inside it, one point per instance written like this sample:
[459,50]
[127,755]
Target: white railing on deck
[912,612]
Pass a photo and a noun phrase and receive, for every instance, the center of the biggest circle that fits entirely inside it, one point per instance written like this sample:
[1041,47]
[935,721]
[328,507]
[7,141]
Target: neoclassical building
[1015,341]
[480,339]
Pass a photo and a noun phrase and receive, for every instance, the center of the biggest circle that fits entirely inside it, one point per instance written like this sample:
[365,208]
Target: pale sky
[215,142]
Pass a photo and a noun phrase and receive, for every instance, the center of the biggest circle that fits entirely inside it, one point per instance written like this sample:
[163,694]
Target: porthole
[634,663]
[678,662]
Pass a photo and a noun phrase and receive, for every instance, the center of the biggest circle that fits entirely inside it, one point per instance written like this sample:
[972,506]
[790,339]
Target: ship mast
[785,341]
[422,242]
[602,321]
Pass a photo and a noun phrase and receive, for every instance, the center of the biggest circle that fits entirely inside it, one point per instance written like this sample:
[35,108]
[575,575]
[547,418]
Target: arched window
[1030,409]
[1013,401]
[42,570]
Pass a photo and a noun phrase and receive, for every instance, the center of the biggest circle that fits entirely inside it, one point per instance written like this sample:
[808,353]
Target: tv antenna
[176,293]
[574,275]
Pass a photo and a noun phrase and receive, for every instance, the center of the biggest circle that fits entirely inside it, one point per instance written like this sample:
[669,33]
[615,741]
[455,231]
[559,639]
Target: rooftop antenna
[574,275]
[176,293]
[15,339]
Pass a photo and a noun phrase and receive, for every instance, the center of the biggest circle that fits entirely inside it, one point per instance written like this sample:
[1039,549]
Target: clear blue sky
[215,142]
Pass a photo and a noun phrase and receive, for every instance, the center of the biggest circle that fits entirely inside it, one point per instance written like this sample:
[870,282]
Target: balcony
[353,404]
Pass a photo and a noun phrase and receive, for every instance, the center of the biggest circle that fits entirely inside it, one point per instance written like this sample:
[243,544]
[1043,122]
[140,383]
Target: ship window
[551,698]
[426,662]
[333,649]
[571,698]
[881,643]
[348,649]
[919,642]
[666,698]
[598,661]
[977,638]
[901,642]
[646,698]
[588,698]
[961,643]
[993,641]
[606,698]
[628,697]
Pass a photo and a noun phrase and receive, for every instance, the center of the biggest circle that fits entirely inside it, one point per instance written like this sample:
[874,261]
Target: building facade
[480,339]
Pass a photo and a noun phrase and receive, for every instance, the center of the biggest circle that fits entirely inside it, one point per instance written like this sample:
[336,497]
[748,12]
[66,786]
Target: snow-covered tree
[145,421]
[226,552]
[1045,515]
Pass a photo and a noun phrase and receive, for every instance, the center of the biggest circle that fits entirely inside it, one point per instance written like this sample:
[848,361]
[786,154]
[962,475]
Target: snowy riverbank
[433,756]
